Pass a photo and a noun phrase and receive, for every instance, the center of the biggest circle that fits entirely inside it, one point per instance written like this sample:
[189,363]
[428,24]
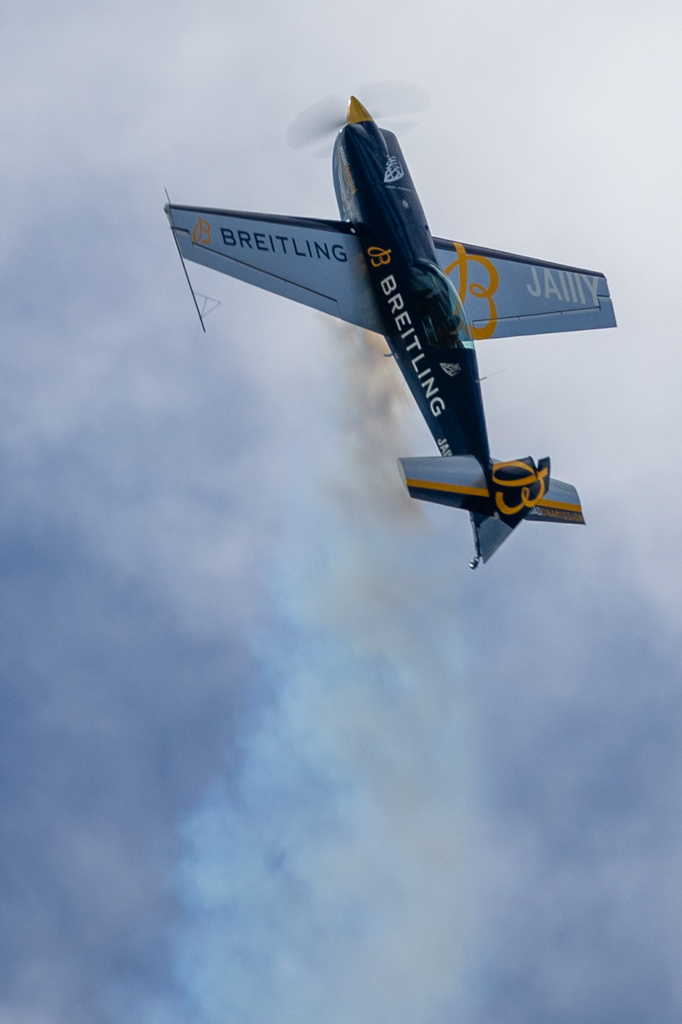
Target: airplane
[380,268]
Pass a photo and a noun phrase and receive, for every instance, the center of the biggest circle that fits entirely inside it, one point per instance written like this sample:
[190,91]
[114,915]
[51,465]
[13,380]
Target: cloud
[194,529]
[327,878]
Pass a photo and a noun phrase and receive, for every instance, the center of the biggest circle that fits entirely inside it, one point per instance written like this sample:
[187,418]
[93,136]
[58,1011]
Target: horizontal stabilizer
[507,295]
[455,480]
[459,481]
[520,491]
[560,504]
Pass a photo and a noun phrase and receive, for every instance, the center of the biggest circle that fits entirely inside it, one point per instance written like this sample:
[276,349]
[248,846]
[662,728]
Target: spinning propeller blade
[398,103]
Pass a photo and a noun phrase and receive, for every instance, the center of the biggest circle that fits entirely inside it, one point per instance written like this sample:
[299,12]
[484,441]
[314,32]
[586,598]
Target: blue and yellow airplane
[381,269]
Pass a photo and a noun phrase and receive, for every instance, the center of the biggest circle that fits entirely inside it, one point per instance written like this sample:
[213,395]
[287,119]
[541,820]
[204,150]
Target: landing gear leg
[473,564]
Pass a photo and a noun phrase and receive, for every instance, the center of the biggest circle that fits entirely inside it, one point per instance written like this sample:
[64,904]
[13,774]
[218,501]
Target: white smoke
[327,881]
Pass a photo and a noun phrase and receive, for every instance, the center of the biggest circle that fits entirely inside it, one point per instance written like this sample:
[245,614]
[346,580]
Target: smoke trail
[327,882]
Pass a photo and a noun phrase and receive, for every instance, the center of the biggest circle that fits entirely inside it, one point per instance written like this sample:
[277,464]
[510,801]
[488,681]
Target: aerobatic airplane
[381,269]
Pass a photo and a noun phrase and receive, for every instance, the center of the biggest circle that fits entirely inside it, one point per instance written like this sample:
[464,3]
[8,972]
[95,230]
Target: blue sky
[270,751]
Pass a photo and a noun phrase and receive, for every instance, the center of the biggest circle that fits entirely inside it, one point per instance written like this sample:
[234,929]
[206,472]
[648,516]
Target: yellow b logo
[480,291]
[379,257]
[202,232]
[515,477]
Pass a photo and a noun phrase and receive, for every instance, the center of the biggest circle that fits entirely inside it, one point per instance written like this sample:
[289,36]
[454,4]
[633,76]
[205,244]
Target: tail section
[489,533]
[497,499]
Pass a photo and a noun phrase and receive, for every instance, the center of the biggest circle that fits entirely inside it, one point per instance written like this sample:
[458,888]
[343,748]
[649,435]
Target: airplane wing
[506,295]
[316,262]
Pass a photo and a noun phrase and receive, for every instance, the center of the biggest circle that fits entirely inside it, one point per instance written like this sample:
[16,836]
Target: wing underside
[507,295]
[320,264]
[316,262]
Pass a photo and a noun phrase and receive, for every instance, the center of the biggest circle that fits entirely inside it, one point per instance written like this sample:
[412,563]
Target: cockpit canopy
[444,321]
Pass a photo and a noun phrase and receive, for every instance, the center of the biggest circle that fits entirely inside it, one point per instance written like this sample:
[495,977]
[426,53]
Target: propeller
[397,103]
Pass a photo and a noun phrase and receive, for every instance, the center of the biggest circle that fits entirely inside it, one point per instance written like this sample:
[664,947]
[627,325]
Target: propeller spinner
[397,103]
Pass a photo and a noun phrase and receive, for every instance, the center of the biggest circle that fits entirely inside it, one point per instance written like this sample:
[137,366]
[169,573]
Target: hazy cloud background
[269,749]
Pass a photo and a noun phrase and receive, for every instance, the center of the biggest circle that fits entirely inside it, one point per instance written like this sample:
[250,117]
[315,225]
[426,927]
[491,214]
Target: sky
[269,750]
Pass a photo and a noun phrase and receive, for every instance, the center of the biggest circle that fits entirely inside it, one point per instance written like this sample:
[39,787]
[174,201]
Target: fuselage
[424,320]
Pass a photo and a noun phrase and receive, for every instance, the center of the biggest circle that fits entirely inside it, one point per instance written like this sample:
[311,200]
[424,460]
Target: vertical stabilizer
[489,533]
